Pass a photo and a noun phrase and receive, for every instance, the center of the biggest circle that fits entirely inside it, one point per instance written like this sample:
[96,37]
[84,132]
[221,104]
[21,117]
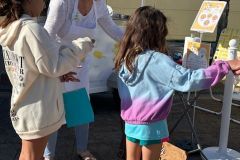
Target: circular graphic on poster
[207,18]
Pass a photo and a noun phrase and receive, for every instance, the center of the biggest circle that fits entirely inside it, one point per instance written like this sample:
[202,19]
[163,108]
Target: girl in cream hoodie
[34,62]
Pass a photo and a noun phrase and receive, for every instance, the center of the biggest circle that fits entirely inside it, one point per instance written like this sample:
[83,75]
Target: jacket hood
[9,33]
[139,66]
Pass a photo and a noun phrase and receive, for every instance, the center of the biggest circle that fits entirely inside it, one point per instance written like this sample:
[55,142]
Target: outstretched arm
[111,28]
[56,17]
[51,58]
[106,22]
[182,79]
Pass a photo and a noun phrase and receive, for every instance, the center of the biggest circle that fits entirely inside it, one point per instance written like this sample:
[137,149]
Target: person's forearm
[55,18]
[111,28]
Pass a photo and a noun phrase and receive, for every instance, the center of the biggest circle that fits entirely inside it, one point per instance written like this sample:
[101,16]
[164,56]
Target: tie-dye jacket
[147,93]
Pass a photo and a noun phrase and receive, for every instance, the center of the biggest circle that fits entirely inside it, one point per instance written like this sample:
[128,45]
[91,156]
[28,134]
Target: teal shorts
[143,142]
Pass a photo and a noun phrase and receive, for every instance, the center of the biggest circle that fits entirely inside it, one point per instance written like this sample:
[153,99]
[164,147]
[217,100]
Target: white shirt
[66,22]
[59,18]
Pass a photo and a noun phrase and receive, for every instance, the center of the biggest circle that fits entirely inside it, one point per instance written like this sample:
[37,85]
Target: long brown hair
[11,10]
[146,29]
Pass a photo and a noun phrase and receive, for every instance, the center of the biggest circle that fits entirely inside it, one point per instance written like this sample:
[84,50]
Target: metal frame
[187,106]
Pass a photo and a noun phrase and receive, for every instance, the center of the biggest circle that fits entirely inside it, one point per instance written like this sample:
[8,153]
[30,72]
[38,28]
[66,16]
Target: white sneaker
[86,155]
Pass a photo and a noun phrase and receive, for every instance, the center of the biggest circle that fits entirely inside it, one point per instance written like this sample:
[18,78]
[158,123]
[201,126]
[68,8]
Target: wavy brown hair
[145,30]
[11,10]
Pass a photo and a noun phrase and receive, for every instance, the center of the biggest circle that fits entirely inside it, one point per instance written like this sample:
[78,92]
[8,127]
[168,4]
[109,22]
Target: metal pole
[227,100]
[222,152]
[143,3]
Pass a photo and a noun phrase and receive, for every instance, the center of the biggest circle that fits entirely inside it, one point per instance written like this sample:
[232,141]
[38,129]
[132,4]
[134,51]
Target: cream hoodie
[33,63]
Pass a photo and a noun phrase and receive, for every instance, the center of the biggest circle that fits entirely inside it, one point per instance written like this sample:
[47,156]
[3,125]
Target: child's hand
[235,66]
[236,72]
[69,77]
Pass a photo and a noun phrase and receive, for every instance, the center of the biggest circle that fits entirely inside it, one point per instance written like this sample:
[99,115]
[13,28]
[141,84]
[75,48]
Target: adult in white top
[68,20]
[34,61]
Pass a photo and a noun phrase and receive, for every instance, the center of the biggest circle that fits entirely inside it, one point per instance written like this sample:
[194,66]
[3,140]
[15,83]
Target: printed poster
[196,55]
[208,16]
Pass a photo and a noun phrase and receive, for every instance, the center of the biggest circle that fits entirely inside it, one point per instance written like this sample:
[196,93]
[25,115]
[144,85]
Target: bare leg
[133,150]
[151,152]
[33,149]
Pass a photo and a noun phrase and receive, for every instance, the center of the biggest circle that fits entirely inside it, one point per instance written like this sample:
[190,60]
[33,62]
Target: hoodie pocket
[47,115]
[23,119]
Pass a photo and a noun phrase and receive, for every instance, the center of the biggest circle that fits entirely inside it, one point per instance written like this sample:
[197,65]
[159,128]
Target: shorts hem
[144,142]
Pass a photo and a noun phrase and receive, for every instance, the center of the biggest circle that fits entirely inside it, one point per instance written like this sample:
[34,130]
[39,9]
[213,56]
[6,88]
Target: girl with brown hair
[148,78]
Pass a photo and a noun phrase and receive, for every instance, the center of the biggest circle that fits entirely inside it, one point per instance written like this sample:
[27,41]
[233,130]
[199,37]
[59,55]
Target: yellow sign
[223,43]
[222,52]
[196,54]
[208,16]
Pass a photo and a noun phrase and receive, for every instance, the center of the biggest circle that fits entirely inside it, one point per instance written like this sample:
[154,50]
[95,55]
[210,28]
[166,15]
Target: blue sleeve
[181,79]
